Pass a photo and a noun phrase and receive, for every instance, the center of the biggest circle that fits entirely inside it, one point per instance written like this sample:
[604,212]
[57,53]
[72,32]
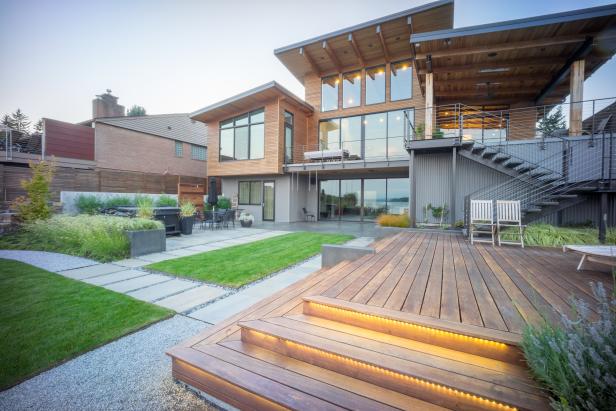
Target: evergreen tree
[8,121]
[136,111]
[554,120]
[21,121]
[38,127]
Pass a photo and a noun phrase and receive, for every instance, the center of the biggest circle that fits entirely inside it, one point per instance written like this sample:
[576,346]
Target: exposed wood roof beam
[516,45]
[379,33]
[476,67]
[483,90]
[356,49]
[332,56]
[473,80]
[409,23]
[580,53]
[310,61]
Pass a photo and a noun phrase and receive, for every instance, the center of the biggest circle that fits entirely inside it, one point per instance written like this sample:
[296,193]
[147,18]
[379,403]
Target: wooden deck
[427,322]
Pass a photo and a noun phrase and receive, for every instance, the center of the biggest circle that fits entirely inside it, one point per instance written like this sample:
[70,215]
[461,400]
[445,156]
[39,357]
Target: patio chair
[482,221]
[208,219]
[218,219]
[229,217]
[509,214]
[308,216]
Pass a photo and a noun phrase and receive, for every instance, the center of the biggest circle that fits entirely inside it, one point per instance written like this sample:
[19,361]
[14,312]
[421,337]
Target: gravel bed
[132,373]
[47,261]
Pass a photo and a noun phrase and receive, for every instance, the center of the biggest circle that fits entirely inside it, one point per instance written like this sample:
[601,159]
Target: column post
[429,105]
[412,191]
[576,91]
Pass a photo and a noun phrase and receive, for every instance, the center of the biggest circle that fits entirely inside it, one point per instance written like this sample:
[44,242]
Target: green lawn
[243,264]
[46,319]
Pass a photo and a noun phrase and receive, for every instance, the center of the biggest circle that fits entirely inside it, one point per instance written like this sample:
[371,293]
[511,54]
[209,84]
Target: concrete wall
[120,149]
[68,198]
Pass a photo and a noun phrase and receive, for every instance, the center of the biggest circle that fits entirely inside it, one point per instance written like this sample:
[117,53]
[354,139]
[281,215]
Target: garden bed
[102,238]
[546,235]
[243,264]
[47,319]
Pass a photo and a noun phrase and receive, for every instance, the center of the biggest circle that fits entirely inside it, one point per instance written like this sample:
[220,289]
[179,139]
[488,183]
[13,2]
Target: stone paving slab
[161,290]
[156,257]
[182,252]
[47,261]
[115,277]
[131,263]
[91,271]
[137,283]
[203,248]
[191,298]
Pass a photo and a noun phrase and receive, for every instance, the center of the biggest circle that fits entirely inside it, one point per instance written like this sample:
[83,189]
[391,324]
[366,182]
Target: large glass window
[351,89]
[329,93]
[375,197]
[249,192]
[329,200]
[329,134]
[350,136]
[397,195]
[375,135]
[242,137]
[395,134]
[350,199]
[375,85]
[401,80]
[288,137]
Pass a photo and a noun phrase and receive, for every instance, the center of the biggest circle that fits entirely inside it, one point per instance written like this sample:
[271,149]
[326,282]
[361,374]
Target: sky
[179,56]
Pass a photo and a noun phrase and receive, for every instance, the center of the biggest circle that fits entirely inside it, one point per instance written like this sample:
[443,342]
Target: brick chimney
[106,105]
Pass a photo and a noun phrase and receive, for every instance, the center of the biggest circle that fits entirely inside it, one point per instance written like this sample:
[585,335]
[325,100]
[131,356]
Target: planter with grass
[187,217]
[146,242]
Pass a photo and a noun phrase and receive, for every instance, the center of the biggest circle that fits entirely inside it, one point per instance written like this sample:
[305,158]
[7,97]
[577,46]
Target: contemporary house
[111,152]
[405,112]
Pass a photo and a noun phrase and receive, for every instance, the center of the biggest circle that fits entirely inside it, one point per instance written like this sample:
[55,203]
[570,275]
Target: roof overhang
[374,42]
[525,60]
[249,100]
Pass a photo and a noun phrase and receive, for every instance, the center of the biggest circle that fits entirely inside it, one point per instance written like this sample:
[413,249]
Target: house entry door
[269,199]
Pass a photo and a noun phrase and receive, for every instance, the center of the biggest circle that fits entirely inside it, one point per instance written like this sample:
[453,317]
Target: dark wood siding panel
[69,140]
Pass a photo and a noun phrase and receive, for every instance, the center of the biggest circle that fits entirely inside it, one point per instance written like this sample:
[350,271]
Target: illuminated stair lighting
[425,384]
[433,331]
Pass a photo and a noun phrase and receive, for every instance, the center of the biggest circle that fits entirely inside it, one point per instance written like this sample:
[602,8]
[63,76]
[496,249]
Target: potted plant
[246,219]
[187,217]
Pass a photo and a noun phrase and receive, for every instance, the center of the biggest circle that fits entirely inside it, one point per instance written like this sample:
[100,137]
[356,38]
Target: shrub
[578,361]
[99,237]
[393,220]
[187,209]
[546,235]
[166,201]
[88,204]
[35,206]
[459,224]
[223,202]
[120,201]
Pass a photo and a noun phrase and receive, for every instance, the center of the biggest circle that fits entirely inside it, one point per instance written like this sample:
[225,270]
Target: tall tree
[8,121]
[554,120]
[21,121]
[38,127]
[136,111]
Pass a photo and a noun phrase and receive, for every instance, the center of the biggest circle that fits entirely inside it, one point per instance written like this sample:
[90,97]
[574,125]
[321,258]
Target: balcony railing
[13,142]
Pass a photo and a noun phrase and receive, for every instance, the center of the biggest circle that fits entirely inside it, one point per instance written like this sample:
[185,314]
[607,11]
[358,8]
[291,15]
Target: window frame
[250,189]
[179,148]
[289,125]
[410,67]
[248,125]
[197,148]
[338,90]
[358,73]
[366,76]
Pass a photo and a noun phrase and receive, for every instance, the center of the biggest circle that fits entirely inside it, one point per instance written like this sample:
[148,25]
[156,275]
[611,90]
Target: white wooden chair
[509,214]
[482,221]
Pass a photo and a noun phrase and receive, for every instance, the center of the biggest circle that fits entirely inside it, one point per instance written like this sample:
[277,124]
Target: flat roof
[244,100]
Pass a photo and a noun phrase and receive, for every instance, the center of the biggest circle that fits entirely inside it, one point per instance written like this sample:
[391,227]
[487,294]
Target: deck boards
[440,277]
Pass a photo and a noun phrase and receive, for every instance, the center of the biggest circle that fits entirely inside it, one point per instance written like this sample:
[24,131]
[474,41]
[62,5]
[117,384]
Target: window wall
[351,89]
[362,199]
[288,137]
[243,137]
[375,85]
[401,80]
[249,192]
[329,93]
[372,136]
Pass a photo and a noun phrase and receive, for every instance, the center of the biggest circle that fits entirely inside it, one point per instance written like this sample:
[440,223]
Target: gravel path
[132,373]
[47,261]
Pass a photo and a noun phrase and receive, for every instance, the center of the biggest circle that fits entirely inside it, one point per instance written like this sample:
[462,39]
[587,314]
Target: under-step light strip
[442,389]
[436,331]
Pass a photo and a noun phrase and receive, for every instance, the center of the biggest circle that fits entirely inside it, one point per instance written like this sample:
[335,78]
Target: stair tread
[444,325]
[401,362]
[280,394]
[383,396]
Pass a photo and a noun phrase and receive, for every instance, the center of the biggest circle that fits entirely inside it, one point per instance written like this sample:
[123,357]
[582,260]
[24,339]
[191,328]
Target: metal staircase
[574,169]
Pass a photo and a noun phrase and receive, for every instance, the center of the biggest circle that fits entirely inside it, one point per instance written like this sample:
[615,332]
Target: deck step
[495,344]
[489,153]
[499,158]
[546,203]
[445,380]
[478,149]
[564,196]
[513,163]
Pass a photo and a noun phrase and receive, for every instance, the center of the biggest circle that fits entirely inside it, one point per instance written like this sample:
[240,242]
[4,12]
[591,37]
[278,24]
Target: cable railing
[583,162]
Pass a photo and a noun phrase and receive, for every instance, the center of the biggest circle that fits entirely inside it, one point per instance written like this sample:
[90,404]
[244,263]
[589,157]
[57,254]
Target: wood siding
[68,140]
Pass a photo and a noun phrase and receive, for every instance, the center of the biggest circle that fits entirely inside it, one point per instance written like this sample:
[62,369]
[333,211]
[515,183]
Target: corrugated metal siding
[433,181]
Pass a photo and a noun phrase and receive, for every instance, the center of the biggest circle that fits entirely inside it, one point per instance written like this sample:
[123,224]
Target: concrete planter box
[146,242]
[332,254]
